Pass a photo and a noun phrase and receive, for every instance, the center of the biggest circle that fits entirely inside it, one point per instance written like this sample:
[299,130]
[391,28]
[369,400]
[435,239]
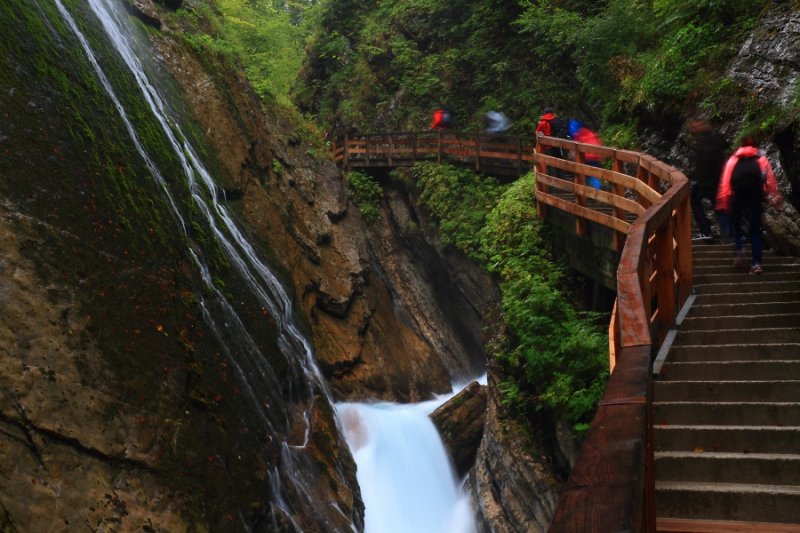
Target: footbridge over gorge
[689,436]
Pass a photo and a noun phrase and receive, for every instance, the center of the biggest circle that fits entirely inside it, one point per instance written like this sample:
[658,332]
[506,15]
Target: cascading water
[397,449]
[403,470]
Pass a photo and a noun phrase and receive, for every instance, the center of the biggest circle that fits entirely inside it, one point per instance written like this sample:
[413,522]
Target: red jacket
[586,136]
[544,126]
[438,122]
[724,191]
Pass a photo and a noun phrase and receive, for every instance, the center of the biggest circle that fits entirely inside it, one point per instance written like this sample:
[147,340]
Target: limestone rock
[513,485]
[460,423]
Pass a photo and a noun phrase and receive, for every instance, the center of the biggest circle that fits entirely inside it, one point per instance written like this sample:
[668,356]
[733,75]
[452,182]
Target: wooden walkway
[644,203]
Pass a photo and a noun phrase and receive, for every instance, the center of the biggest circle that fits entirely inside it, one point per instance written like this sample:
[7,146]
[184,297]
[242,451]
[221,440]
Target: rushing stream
[403,470]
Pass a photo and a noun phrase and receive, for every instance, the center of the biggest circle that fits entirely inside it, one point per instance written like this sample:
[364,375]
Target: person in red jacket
[441,119]
[580,133]
[747,179]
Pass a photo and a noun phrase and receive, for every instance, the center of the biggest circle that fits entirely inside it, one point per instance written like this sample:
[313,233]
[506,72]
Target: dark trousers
[700,191]
[750,208]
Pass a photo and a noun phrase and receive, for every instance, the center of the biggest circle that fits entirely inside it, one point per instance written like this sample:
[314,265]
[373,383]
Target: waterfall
[384,427]
[405,475]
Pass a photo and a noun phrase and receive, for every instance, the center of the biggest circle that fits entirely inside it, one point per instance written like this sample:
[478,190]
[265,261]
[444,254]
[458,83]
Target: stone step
[728,501]
[726,439]
[753,284]
[748,297]
[727,391]
[730,370]
[735,352]
[707,305]
[718,277]
[747,335]
[726,260]
[686,525]
[727,467]
[725,321]
[768,414]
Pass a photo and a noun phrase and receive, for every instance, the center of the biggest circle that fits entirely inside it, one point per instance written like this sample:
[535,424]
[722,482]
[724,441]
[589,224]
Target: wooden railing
[611,486]
[646,204]
[498,154]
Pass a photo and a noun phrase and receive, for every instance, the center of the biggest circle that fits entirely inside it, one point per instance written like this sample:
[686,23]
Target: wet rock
[460,423]
[512,483]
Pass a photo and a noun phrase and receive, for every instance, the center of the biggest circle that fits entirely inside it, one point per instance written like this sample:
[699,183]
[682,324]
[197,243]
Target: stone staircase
[727,401]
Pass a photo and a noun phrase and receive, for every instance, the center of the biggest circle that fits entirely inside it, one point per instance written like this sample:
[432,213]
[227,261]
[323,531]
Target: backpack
[747,177]
[559,128]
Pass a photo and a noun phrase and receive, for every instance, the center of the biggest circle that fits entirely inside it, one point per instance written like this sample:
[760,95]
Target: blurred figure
[706,162]
[496,122]
[747,179]
[551,125]
[442,119]
[580,133]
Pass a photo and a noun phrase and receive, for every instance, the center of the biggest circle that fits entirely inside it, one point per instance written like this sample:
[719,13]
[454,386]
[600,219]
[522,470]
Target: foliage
[385,64]
[459,201]
[554,359]
[367,194]
[267,37]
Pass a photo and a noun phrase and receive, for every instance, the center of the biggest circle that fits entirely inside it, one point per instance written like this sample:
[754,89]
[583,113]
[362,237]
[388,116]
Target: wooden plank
[605,491]
[620,203]
[583,212]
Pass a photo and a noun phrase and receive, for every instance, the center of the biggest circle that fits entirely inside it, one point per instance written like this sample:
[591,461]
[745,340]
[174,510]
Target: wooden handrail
[646,204]
[611,486]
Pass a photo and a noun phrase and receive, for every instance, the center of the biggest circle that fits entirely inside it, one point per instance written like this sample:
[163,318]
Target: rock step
[726,439]
[748,335]
[727,391]
[735,352]
[730,370]
[727,467]
[728,501]
[727,321]
[706,305]
[768,414]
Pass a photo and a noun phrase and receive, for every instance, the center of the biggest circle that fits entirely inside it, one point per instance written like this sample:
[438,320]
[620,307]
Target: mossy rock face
[121,398]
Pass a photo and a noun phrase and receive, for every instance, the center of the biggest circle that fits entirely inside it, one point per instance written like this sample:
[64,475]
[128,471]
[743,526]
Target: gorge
[199,328]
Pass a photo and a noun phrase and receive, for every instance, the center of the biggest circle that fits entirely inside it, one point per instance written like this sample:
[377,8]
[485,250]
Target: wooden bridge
[643,207]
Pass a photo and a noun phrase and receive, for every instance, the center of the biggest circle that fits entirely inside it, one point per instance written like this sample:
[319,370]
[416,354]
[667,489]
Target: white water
[403,470]
[405,475]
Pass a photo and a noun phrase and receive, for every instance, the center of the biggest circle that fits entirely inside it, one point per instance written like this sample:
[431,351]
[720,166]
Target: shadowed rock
[460,423]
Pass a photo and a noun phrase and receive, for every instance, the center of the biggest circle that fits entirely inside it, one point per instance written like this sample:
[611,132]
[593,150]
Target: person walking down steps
[747,180]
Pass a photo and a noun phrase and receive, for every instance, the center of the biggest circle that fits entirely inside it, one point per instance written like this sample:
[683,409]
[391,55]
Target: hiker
[551,125]
[442,118]
[746,180]
[580,133]
[496,122]
[706,162]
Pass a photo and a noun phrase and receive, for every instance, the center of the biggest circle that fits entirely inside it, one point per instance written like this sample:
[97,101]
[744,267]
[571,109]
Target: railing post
[665,278]
[346,153]
[391,148]
[580,179]
[541,208]
[414,147]
[618,190]
[683,236]
[519,156]
[477,152]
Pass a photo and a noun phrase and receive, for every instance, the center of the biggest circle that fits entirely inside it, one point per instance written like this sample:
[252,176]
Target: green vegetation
[266,37]
[367,194]
[619,64]
[553,358]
